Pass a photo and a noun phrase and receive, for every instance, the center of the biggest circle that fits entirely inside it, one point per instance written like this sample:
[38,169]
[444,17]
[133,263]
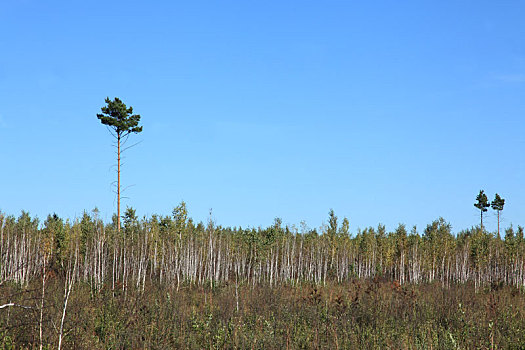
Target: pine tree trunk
[498,225]
[481,213]
[118,182]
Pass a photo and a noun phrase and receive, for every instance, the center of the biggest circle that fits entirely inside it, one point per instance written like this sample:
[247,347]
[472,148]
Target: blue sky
[384,111]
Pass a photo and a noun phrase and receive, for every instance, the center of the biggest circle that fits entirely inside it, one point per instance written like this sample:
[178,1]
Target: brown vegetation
[373,313]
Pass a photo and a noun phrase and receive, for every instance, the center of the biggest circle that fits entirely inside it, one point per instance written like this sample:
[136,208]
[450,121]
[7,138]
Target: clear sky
[385,111]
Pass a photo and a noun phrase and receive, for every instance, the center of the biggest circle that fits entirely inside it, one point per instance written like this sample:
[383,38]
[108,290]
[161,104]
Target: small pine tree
[497,204]
[332,224]
[482,204]
[345,228]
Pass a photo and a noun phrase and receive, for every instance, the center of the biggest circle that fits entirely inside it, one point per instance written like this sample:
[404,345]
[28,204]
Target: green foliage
[480,246]
[400,239]
[345,227]
[498,203]
[482,201]
[519,234]
[24,222]
[331,230]
[54,229]
[130,217]
[180,217]
[119,118]
[131,224]
[87,228]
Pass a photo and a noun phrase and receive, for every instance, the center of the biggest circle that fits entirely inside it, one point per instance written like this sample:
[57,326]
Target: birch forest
[50,266]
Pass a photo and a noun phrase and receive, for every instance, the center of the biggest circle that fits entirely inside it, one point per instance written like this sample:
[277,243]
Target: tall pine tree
[121,122]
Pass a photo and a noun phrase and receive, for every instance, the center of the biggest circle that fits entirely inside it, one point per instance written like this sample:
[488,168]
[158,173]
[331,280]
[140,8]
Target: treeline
[173,250]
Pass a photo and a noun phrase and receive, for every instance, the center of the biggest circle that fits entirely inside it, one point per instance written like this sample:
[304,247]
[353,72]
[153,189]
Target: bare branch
[17,305]
[112,133]
[133,145]
[124,138]
[125,188]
